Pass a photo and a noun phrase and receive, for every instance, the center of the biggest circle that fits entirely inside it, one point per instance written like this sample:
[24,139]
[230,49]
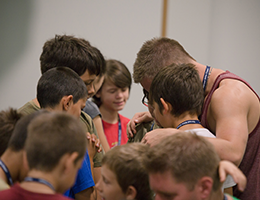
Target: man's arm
[228,119]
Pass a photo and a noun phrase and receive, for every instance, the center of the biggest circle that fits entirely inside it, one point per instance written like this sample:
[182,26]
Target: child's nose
[119,94]
[91,90]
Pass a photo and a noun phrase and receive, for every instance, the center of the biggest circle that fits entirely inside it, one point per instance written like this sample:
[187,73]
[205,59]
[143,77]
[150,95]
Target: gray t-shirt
[91,109]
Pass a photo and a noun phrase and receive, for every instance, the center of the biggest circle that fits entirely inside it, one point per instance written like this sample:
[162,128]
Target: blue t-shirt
[84,179]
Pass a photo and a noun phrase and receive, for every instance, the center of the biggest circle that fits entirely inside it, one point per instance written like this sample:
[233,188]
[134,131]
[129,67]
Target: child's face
[108,187]
[76,108]
[158,116]
[112,97]
[88,80]
[166,188]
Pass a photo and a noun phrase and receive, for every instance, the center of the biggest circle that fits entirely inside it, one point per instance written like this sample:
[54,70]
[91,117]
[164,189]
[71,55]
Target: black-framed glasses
[145,98]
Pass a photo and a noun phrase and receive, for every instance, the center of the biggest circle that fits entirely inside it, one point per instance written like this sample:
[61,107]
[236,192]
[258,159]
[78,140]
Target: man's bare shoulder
[234,91]
[233,98]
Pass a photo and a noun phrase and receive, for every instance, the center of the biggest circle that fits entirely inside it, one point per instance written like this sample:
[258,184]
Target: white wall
[223,34]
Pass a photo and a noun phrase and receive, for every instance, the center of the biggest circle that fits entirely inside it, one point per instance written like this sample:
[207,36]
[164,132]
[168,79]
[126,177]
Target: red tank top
[250,164]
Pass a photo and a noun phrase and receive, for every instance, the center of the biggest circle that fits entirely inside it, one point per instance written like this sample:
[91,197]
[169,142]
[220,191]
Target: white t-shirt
[229,182]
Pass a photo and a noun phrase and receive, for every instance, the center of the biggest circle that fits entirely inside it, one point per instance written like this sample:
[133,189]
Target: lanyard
[39,180]
[7,173]
[188,122]
[205,77]
[152,127]
[119,131]
[225,197]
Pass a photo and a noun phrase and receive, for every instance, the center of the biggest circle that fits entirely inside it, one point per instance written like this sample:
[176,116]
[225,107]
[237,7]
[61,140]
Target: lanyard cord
[205,77]
[152,126]
[7,173]
[188,122]
[119,131]
[39,180]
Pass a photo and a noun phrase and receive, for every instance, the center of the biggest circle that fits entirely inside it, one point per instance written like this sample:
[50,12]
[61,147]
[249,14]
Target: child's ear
[25,162]
[67,102]
[205,186]
[69,161]
[166,106]
[131,193]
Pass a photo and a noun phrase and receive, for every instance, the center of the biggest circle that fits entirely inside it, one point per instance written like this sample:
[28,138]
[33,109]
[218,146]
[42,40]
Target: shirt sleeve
[91,109]
[84,179]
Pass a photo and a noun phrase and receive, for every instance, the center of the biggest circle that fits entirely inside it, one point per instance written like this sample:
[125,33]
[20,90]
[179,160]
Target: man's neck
[36,102]
[212,77]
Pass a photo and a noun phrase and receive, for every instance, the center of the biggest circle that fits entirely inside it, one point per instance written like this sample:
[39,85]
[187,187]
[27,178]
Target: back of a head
[118,74]
[189,157]
[57,83]
[126,161]
[180,85]
[157,53]
[8,119]
[72,52]
[52,135]
[18,138]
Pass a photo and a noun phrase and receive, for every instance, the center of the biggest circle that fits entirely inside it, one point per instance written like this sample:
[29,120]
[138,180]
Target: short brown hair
[188,156]
[50,136]
[180,85]
[157,53]
[126,161]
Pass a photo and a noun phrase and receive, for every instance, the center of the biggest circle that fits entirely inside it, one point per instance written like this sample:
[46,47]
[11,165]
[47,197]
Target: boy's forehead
[88,77]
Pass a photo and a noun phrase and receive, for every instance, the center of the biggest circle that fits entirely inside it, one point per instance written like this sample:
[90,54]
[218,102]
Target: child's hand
[93,145]
[226,167]
[137,118]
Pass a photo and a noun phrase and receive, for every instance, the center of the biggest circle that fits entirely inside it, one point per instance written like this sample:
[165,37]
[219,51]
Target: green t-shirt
[31,107]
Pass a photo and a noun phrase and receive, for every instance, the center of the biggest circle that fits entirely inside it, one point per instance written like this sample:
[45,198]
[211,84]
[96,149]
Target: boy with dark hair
[12,168]
[174,171]
[88,62]
[52,170]
[61,89]
[75,53]
[8,119]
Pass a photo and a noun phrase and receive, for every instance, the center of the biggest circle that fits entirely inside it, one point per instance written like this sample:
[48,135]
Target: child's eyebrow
[89,81]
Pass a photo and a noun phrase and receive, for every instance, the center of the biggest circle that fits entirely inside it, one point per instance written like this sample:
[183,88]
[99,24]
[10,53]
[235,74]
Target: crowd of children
[51,148]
